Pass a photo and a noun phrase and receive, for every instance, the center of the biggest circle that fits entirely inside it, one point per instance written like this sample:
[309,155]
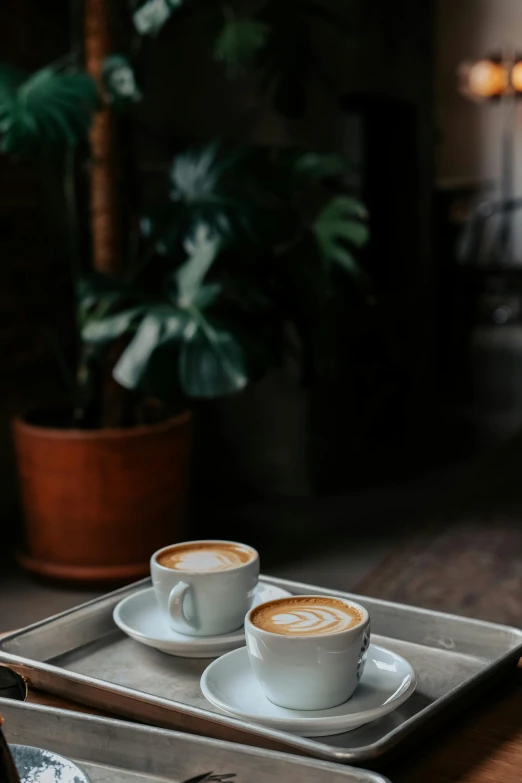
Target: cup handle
[176,599]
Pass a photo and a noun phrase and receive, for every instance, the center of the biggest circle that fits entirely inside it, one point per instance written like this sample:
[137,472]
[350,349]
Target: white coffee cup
[201,601]
[308,672]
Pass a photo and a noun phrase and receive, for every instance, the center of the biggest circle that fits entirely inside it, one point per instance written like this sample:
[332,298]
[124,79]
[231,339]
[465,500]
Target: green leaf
[131,367]
[205,188]
[207,295]
[90,289]
[163,323]
[344,258]
[150,17]
[239,42]
[339,222]
[346,205]
[313,165]
[48,109]
[212,362]
[99,295]
[194,174]
[101,330]
[119,81]
[203,250]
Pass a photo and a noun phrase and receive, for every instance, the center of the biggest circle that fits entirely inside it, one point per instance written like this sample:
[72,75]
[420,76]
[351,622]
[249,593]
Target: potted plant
[102,485]
[245,240]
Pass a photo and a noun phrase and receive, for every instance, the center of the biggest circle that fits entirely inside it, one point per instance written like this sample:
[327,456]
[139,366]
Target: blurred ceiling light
[498,79]
[516,76]
[485,79]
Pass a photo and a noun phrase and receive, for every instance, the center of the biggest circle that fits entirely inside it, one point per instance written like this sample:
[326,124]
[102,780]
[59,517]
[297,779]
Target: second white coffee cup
[306,666]
[205,588]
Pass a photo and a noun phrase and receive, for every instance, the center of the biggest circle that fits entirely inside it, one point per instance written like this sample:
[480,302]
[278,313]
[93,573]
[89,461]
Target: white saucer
[388,680]
[139,616]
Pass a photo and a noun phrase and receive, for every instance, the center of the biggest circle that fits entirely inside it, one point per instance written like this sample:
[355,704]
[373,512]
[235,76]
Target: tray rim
[356,755]
[153,731]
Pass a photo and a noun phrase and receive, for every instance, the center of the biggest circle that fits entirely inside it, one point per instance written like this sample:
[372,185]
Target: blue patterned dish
[35,765]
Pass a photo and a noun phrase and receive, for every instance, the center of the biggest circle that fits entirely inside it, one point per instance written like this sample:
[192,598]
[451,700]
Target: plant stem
[71,230]
[52,340]
[70,216]
[58,175]
[62,62]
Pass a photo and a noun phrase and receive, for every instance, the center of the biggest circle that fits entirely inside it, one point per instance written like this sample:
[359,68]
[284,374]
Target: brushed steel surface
[81,655]
[110,751]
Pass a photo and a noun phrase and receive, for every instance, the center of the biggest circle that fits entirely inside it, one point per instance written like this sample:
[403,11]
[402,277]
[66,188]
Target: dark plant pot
[98,503]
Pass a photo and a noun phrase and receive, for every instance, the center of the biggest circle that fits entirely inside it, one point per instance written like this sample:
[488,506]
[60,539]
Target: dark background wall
[34,282]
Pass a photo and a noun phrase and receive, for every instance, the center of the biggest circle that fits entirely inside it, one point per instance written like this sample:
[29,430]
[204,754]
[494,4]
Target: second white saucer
[139,616]
[388,680]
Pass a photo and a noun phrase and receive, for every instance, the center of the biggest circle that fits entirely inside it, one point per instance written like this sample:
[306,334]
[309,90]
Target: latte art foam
[306,616]
[205,557]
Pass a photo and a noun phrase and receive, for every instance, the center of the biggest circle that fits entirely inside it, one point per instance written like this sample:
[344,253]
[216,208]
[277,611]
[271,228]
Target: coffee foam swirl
[200,558]
[306,617]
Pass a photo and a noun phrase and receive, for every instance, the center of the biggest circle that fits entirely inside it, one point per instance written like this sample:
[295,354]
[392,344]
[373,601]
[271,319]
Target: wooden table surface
[482,745]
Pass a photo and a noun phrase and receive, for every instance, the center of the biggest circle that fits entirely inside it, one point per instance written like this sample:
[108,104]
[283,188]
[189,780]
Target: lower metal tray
[81,655]
[110,751]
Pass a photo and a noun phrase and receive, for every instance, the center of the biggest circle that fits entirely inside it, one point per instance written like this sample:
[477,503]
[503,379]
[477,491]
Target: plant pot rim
[111,433]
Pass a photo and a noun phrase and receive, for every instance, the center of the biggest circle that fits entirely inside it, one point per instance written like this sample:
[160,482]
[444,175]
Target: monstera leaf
[239,42]
[340,224]
[110,327]
[197,174]
[316,166]
[206,186]
[151,15]
[45,110]
[160,325]
[202,249]
[210,360]
[99,301]
[119,81]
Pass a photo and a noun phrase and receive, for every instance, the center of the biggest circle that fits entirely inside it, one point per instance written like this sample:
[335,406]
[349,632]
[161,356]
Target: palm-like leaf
[48,109]
[239,42]
[340,223]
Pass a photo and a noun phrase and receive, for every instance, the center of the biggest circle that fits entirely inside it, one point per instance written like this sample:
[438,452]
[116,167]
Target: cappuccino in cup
[302,616]
[206,556]
[308,652]
[205,588]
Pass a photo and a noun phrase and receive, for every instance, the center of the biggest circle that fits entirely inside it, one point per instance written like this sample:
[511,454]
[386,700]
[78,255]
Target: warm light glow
[516,76]
[488,79]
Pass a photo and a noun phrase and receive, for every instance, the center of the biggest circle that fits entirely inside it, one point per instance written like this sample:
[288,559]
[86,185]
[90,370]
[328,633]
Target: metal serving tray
[110,751]
[83,656]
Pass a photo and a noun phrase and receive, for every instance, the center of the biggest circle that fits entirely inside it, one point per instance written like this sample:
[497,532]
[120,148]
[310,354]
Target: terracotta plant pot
[97,503]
